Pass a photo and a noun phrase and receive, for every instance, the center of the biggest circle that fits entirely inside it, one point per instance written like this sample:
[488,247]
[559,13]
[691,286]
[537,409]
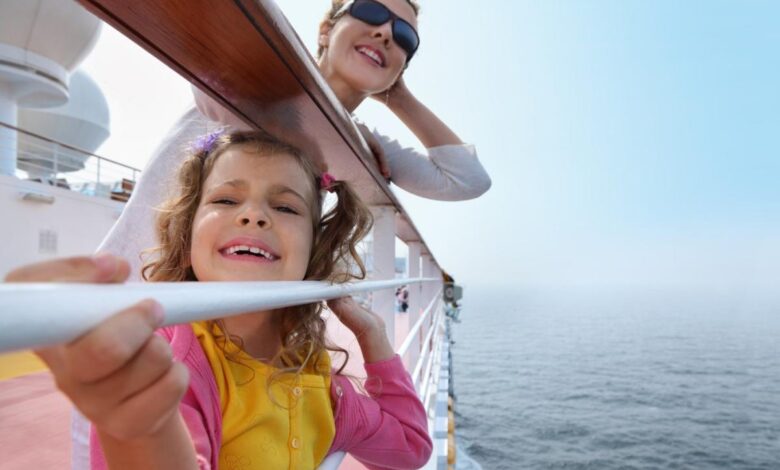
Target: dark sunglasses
[375,13]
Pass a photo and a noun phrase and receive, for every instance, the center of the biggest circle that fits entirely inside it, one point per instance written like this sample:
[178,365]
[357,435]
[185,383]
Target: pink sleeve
[195,424]
[389,428]
[199,407]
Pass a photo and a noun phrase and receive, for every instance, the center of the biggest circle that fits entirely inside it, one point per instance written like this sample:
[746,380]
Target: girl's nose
[254,217]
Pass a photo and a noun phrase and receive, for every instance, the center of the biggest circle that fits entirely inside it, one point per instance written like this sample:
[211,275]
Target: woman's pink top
[386,430]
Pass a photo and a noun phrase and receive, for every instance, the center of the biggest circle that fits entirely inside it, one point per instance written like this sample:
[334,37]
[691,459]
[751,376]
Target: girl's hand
[376,149]
[120,375]
[368,327]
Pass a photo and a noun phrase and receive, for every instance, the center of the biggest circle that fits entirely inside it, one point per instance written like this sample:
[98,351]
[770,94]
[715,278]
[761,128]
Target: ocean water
[618,379]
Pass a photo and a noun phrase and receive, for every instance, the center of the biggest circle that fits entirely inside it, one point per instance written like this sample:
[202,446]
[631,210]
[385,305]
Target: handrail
[68,146]
[410,337]
[29,321]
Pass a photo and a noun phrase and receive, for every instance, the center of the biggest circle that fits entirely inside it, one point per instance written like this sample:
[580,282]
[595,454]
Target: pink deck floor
[34,424]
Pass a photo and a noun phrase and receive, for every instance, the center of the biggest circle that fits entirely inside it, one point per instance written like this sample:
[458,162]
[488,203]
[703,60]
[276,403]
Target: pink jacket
[385,431]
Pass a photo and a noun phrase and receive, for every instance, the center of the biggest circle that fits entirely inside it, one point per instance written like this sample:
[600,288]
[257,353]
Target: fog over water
[618,378]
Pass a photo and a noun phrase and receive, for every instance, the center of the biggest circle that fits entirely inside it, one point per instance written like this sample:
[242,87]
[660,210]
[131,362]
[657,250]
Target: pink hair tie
[326,181]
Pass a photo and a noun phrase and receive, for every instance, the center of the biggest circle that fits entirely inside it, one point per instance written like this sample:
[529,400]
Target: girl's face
[254,220]
[364,56]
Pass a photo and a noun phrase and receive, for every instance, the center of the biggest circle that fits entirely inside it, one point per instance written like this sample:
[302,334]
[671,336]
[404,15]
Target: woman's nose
[384,32]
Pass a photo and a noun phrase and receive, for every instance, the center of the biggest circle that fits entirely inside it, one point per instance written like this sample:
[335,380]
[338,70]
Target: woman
[364,47]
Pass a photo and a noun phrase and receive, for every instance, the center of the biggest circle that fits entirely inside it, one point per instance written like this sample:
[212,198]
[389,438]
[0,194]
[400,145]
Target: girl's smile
[249,249]
[254,219]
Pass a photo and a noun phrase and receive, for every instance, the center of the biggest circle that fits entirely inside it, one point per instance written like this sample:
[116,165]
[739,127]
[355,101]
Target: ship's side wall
[51,222]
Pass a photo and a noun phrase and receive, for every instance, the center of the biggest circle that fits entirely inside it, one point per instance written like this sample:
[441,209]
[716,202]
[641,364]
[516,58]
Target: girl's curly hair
[334,255]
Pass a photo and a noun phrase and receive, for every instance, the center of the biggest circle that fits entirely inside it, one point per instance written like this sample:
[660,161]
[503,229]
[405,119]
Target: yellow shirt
[294,431]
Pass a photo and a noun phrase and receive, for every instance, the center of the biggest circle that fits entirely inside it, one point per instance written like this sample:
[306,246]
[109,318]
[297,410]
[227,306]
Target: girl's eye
[227,202]
[287,210]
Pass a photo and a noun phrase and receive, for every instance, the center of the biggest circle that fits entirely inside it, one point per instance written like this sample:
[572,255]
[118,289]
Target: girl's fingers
[147,367]
[146,411]
[110,345]
[103,268]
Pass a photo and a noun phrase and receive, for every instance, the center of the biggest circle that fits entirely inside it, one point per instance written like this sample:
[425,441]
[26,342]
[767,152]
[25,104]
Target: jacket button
[295,443]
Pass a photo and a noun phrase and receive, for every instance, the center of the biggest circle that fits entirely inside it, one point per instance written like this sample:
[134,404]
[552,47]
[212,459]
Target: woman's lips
[372,55]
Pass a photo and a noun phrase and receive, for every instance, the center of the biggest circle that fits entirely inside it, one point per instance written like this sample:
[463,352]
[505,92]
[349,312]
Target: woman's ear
[324,37]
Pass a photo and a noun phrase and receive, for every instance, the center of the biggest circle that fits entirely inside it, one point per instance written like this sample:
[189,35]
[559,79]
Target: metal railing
[47,161]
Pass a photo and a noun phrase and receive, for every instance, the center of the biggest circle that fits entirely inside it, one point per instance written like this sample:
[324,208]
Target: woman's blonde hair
[333,15]
[334,255]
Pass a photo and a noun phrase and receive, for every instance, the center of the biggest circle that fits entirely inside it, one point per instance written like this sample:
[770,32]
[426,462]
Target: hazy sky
[628,141]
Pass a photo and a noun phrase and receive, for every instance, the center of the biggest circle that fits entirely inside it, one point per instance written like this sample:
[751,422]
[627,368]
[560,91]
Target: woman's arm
[135,229]
[449,170]
[426,125]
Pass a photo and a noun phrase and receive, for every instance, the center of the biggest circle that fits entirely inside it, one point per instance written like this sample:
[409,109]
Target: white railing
[29,321]
[47,161]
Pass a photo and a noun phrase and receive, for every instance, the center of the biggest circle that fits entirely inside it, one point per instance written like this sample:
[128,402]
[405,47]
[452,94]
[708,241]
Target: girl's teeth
[252,249]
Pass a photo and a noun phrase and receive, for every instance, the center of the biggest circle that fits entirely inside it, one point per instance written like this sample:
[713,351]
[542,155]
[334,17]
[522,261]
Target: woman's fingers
[103,268]
[377,150]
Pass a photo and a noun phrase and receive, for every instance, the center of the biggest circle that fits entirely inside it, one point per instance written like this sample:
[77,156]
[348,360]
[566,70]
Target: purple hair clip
[206,142]
[326,181]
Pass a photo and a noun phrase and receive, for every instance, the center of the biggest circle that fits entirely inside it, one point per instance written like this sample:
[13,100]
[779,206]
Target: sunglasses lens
[406,37]
[370,12]
[374,13]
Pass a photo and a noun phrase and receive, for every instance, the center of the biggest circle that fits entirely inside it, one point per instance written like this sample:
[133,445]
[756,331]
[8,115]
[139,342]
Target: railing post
[428,289]
[415,298]
[383,255]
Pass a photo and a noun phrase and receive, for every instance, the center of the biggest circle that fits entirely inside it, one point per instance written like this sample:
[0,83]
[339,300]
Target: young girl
[261,392]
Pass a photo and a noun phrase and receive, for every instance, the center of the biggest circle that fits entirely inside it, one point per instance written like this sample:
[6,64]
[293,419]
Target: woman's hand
[376,149]
[367,326]
[423,123]
[394,96]
[120,375]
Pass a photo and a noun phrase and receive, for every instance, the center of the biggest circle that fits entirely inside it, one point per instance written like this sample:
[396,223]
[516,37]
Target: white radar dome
[41,42]
[84,123]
